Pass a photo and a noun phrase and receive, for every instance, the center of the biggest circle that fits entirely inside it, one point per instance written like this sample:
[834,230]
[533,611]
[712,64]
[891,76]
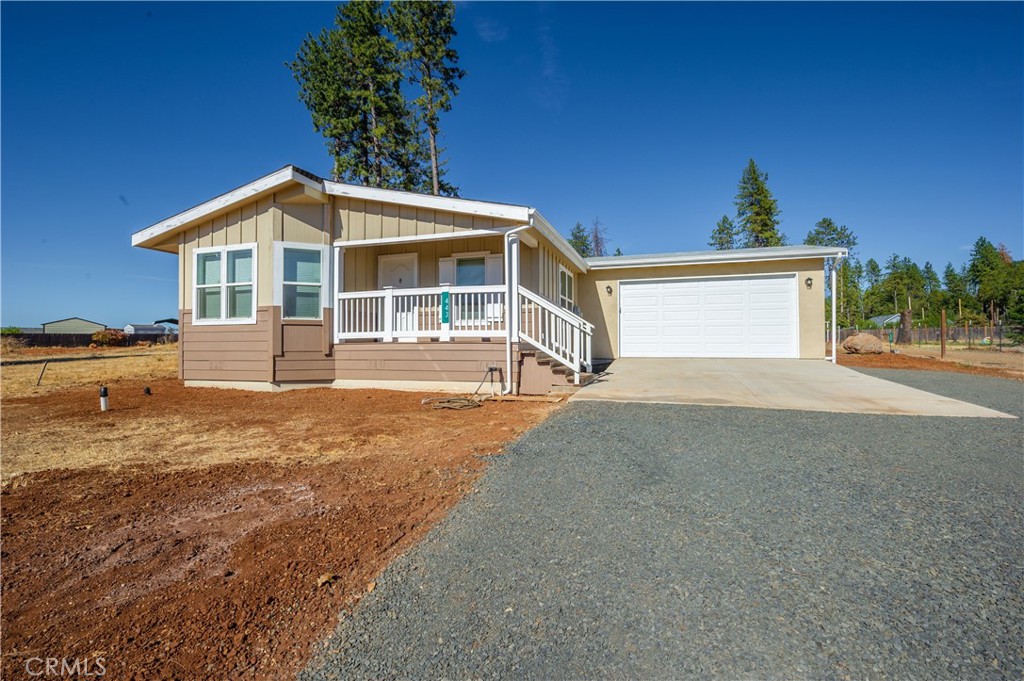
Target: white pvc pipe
[511,305]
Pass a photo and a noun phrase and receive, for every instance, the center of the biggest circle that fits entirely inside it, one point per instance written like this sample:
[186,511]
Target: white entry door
[401,271]
[742,316]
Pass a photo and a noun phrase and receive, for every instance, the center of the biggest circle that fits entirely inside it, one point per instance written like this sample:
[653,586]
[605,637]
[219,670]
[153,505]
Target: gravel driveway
[671,541]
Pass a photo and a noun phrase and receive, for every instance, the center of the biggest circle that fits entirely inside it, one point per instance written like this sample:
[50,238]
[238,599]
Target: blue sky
[903,121]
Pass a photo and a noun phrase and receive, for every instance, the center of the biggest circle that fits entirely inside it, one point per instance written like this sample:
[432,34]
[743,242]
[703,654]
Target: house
[293,280]
[145,330]
[73,325]
[886,319]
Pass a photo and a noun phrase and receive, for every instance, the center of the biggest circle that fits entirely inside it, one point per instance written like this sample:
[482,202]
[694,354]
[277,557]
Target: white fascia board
[559,242]
[702,258]
[464,206]
[463,234]
[224,201]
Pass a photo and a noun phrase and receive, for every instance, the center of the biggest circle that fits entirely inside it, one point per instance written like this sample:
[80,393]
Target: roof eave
[736,256]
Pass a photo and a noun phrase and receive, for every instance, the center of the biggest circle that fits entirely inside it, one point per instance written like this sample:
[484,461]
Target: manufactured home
[294,281]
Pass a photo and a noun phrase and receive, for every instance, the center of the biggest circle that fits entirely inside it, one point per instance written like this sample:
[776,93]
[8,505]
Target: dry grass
[84,367]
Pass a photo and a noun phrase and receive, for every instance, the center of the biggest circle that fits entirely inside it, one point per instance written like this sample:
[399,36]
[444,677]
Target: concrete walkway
[806,385]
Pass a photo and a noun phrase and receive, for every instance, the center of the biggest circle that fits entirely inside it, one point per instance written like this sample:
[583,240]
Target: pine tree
[827,233]
[350,80]
[424,31]
[579,238]
[618,252]
[723,237]
[757,211]
[598,238]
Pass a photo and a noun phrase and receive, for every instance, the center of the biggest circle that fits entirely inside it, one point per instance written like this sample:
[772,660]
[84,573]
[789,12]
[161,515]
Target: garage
[720,316]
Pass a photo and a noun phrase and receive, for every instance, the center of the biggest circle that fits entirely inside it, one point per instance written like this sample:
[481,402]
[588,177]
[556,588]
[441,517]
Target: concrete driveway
[802,384]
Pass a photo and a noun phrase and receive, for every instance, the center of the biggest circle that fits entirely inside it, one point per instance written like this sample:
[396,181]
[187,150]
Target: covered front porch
[485,287]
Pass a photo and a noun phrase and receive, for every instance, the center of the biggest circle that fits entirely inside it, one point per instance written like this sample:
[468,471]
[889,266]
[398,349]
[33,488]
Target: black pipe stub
[147,391]
[103,391]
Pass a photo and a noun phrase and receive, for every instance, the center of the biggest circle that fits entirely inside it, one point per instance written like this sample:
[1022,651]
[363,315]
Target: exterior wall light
[808,282]
[608,289]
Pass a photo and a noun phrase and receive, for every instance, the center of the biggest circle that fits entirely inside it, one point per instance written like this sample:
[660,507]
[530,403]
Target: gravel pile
[664,541]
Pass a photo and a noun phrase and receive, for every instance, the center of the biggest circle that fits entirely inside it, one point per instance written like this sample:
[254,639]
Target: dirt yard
[988,362]
[203,533]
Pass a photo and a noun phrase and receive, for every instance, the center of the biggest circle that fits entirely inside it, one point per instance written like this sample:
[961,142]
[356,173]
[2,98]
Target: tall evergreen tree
[723,237]
[827,233]
[757,212]
[579,238]
[350,80]
[872,273]
[424,30]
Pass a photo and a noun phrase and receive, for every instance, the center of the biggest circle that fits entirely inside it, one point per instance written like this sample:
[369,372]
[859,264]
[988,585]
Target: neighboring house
[72,325]
[145,330]
[293,280]
[886,319]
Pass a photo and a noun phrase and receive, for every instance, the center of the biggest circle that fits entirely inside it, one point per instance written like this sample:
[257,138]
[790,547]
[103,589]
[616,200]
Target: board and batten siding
[263,222]
[361,262]
[544,270]
[358,219]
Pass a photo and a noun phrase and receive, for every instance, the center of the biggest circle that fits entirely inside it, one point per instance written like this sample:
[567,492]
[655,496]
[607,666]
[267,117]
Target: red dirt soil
[888,360]
[235,569]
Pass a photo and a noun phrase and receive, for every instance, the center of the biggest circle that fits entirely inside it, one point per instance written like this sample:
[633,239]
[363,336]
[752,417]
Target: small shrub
[10,331]
[108,337]
[10,344]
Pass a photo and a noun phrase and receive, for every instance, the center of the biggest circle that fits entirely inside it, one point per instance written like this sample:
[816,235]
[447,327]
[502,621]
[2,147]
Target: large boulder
[863,344]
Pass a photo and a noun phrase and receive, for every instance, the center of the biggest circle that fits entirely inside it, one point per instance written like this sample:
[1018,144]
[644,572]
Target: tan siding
[602,310]
[358,219]
[73,326]
[229,352]
[361,261]
[466,362]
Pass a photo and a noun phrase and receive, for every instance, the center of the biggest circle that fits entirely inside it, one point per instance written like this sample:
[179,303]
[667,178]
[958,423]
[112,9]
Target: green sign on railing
[890,336]
[445,307]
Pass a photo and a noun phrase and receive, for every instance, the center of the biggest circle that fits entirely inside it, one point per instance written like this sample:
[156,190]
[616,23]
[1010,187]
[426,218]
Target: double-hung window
[300,275]
[225,285]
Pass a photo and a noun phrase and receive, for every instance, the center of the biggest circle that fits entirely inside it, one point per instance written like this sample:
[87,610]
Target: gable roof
[884,319]
[291,174]
[73,319]
[711,257]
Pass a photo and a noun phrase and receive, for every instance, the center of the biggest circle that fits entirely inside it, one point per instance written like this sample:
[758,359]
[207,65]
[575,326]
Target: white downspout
[511,304]
[835,266]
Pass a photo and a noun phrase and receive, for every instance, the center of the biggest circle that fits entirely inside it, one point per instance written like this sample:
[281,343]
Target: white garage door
[750,316]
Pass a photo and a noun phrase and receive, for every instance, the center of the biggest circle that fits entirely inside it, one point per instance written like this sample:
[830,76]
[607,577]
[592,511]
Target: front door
[401,271]
[398,271]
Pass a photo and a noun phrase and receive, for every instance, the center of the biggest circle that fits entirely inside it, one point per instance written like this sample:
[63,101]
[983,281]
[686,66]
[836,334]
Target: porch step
[560,379]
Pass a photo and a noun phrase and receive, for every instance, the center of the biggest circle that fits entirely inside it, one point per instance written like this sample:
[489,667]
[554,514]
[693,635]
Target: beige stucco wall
[602,309]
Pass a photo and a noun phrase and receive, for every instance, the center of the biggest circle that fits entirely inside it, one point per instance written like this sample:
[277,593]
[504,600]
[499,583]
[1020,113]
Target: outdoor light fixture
[808,282]
[608,289]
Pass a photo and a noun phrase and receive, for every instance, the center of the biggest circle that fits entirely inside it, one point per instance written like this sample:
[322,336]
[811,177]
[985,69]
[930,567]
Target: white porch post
[834,334]
[338,277]
[512,303]
[389,314]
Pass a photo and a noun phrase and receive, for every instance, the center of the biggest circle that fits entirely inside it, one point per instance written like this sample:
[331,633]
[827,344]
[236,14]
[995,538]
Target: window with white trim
[566,289]
[300,275]
[224,291]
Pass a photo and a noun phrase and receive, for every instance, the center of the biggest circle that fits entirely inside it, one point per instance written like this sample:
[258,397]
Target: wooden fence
[81,340]
[972,335]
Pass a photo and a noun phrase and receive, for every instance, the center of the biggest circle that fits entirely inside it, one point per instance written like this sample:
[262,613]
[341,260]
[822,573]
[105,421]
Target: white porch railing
[561,334]
[447,312]
[390,314]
